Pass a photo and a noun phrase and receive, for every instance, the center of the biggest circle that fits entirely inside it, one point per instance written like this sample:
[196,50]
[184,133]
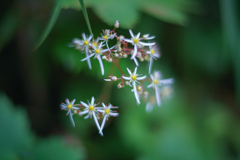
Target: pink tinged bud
[113,78]
[116,24]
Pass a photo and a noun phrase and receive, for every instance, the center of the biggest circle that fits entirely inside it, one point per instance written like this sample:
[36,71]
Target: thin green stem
[86,16]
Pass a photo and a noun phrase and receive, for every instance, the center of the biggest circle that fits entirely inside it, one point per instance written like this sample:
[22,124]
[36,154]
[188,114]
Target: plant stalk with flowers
[138,48]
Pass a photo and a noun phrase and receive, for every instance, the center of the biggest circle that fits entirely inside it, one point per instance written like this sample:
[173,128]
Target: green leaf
[86,16]
[8,26]
[50,25]
[56,148]
[15,136]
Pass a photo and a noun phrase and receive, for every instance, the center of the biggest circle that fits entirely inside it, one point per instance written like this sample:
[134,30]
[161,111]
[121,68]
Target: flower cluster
[138,48]
[90,109]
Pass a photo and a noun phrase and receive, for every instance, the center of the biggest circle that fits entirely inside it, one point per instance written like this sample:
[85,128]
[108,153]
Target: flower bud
[121,37]
[109,59]
[104,57]
[120,85]
[113,78]
[116,24]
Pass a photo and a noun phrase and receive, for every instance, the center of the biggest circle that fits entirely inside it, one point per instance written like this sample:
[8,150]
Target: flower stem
[86,16]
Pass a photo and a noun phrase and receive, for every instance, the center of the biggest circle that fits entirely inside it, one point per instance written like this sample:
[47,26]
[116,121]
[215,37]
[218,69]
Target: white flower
[97,52]
[107,112]
[106,36]
[69,106]
[91,110]
[154,54]
[156,82]
[134,79]
[84,44]
[135,40]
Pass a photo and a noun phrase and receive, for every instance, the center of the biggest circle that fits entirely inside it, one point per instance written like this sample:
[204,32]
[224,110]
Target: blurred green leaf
[8,26]
[127,11]
[50,24]
[56,148]
[15,135]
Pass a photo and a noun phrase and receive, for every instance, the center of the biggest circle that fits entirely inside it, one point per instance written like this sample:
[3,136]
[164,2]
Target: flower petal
[131,33]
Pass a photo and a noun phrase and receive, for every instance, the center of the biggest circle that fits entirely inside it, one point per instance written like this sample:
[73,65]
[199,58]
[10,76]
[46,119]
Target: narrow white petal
[107,80]
[84,59]
[84,36]
[141,78]
[146,44]
[150,65]
[97,124]
[136,62]
[157,95]
[135,51]
[152,37]
[138,35]
[100,45]
[84,104]
[87,116]
[131,33]
[103,122]
[129,72]
[92,101]
[84,112]
[88,60]
[73,101]
[71,118]
[152,76]
[127,78]
[167,81]
[113,114]
[150,85]
[135,92]
[135,71]
[101,64]
[149,107]
[128,40]
[90,37]
[67,101]
[76,108]
[104,106]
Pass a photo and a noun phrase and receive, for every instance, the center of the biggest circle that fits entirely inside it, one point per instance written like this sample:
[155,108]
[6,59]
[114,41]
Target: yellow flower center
[85,42]
[134,77]
[155,81]
[69,106]
[95,44]
[97,51]
[152,51]
[139,88]
[91,108]
[135,40]
[107,111]
[105,37]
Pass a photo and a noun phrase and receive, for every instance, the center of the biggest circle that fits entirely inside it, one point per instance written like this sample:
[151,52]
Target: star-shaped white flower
[106,36]
[69,106]
[133,78]
[154,54]
[91,110]
[107,112]
[136,41]
[158,82]
[97,52]
[85,44]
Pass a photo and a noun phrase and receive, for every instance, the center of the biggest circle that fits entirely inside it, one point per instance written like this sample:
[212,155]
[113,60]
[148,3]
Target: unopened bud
[120,85]
[104,57]
[145,94]
[127,83]
[121,37]
[116,55]
[75,112]
[141,59]
[109,59]
[116,24]
[113,78]
[125,55]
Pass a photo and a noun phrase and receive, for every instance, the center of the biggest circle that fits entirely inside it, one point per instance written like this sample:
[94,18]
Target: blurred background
[200,48]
